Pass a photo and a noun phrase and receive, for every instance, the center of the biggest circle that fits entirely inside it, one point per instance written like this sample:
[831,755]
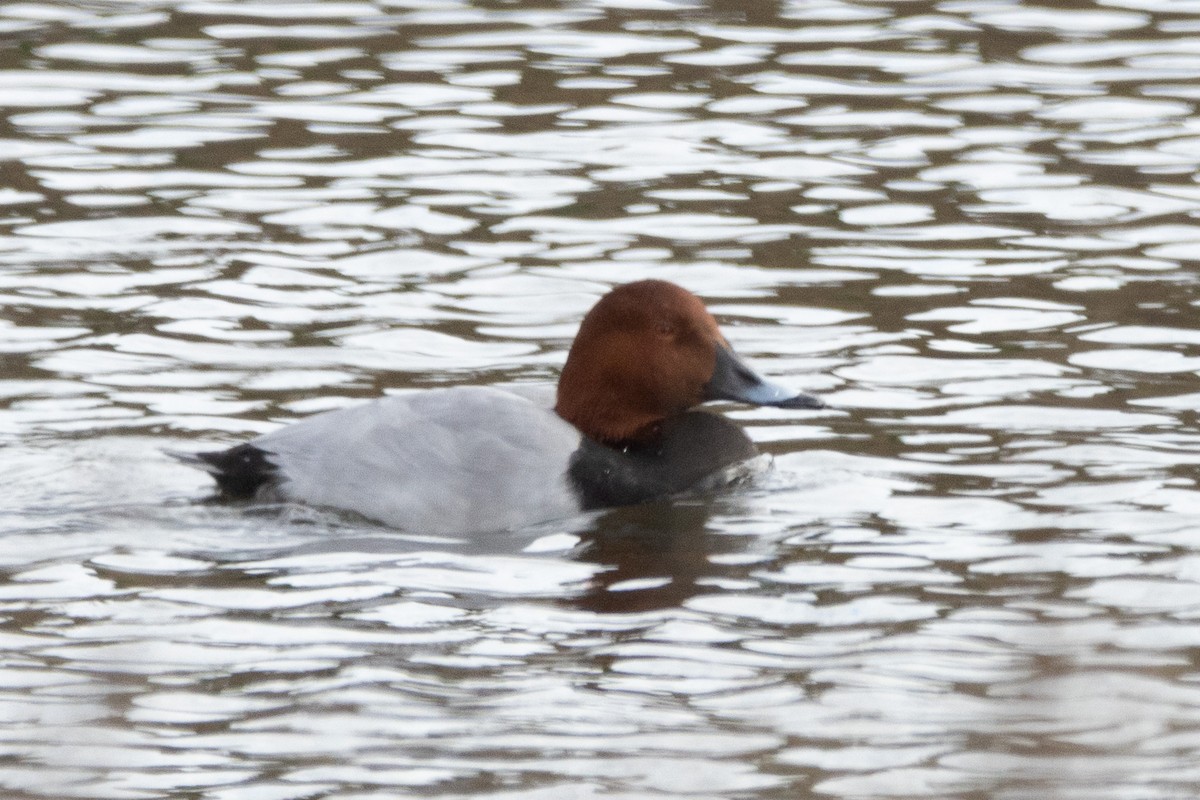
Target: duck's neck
[610,421]
[616,431]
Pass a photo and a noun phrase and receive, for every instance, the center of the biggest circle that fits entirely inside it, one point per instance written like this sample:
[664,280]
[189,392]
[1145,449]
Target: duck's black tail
[239,471]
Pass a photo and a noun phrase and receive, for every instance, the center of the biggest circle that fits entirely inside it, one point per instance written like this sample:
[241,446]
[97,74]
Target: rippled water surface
[970,224]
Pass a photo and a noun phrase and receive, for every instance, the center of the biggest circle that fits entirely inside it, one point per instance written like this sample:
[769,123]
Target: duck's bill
[733,379]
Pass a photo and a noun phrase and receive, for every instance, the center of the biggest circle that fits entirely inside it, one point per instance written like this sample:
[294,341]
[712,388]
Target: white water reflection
[970,225]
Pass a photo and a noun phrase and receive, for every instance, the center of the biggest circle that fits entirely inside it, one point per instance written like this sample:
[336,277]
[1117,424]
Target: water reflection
[652,557]
[969,224]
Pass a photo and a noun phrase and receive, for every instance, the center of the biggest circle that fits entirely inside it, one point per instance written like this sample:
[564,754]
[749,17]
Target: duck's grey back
[445,461]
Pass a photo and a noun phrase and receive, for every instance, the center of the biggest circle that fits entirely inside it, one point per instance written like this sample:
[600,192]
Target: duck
[624,428]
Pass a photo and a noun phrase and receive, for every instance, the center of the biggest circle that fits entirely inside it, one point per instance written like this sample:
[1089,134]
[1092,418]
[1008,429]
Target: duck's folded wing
[445,461]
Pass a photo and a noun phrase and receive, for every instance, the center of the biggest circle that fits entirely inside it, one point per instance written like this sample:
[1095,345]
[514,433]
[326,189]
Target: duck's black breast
[689,448]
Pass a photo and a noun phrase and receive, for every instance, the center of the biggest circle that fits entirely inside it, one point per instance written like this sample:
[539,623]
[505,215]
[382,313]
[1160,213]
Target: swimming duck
[472,458]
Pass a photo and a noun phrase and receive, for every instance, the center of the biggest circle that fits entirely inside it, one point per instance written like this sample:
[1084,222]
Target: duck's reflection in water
[653,556]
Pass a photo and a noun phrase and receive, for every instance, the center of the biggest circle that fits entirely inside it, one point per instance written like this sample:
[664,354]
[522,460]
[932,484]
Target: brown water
[971,224]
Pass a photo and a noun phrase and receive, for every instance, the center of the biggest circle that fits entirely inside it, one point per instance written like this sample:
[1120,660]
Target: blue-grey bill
[733,379]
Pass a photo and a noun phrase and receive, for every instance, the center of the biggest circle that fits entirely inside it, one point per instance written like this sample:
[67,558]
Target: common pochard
[472,458]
